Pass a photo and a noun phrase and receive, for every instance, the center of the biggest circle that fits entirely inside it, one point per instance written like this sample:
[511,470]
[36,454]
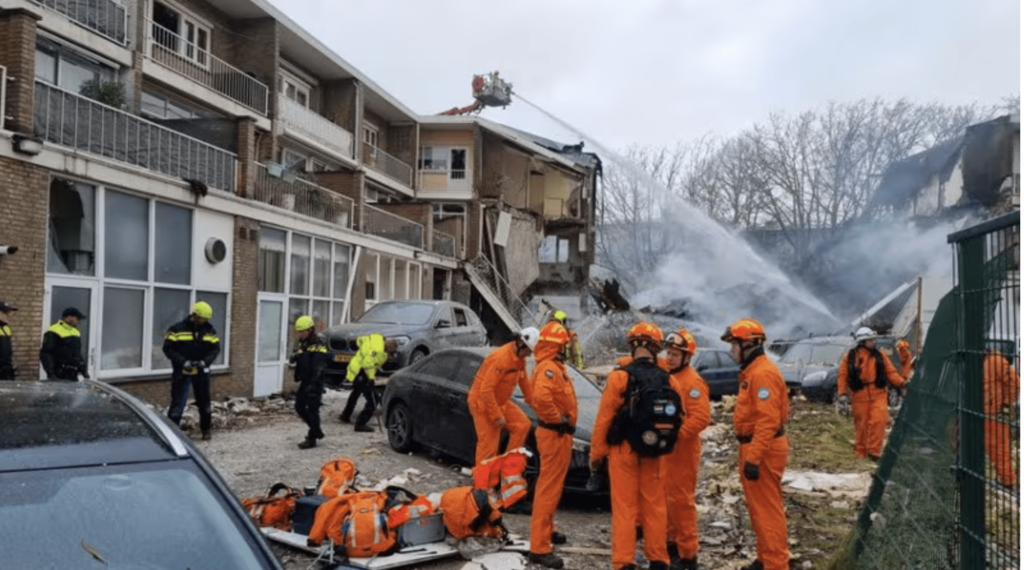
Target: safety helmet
[530,336]
[559,316]
[203,310]
[554,332]
[645,334]
[744,330]
[681,340]
[864,333]
[304,323]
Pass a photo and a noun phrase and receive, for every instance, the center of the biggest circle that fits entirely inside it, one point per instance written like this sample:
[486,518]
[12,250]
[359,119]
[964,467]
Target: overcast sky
[658,71]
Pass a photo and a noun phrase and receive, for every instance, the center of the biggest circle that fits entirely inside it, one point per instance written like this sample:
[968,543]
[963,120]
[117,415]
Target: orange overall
[906,358]
[684,462]
[554,400]
[1002,386]
[490,399]
[870,403]
[637,485]
[762,407]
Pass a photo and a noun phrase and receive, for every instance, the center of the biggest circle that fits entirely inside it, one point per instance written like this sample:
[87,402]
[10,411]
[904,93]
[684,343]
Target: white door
[270,345]
[84,296]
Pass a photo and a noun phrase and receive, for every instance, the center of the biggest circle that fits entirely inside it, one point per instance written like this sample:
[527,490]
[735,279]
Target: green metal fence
[945,493]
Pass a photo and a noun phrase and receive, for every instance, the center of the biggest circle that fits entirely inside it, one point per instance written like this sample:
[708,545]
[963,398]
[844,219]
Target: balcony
[387,165]
[392,227]
[70,120]
[303,197]
[443,244]
[187,59]
[105,17]
[444,182]
[311,125]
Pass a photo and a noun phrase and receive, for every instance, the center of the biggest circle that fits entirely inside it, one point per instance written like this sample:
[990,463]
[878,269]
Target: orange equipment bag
[273,510]
[503,476]
[331,515]
[365,531]
[471,512]
[336,477]
[402,513]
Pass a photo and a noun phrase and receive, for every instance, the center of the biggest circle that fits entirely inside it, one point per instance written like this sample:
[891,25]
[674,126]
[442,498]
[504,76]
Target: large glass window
[169,307]
[72,239]
[173,262]
[219,303]
[317,278]
[122,336]
[272,255]
[69,69]
[299,265]
[322,269]
[127,237]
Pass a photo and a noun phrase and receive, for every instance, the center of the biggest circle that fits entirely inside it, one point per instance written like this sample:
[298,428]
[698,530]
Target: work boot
[655,565]
[874,458]
[319,434]
[364,428]
[684,564]
[206,435]
[673,551]
[628,567]
[307,443]
[558,538]
[345,419]
[755,565]
[549,560]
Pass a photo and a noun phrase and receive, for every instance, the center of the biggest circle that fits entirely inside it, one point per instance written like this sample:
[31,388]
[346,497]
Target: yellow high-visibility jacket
[368,358]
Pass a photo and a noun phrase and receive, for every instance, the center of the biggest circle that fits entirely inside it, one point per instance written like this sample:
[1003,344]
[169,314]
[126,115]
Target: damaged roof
[573,152]
[903,180]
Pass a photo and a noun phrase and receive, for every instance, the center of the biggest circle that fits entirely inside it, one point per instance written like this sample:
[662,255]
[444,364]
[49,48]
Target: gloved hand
[751,471]
[187,364]
[843,400]
[206,368]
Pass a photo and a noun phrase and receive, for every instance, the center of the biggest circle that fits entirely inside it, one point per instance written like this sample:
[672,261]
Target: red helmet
[645,334]
[744,330]
[554,332]
[681,340]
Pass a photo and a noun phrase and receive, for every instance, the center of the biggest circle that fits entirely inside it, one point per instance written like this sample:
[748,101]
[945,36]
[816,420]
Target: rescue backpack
[273,509]
[403,505]
[336,477]
[502,475]
[652,413]
[365,531]
[471,512]
[853,372]
[330,516]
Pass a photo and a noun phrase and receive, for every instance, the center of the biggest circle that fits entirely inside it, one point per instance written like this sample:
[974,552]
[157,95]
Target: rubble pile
[237,412]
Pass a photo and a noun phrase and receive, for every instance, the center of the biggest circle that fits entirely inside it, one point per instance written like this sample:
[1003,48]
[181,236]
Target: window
[295,89]
[157,106]
[127,237]
[299,265]
[322,269]
[181,33]
[272,252]
[122,336]
[173,245]
[317,274]
[371,135]
[460,318]
[447,159]
[68,69]
[72,239]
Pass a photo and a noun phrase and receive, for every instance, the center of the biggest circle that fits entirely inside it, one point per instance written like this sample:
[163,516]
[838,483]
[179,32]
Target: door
[84,296]
[444,328]
[464,335]
[270,345]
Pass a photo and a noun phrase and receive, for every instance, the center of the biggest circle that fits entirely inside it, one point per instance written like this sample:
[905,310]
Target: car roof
[69,424]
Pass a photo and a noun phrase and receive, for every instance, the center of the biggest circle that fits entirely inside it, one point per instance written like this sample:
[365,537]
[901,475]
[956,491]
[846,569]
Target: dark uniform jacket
[61,354]
[309,359]
[6,353]
[186,341]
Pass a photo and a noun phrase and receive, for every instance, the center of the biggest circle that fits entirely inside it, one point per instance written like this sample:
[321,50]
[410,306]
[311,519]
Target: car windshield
[827,353]
[819,352]
[398,314]
[152,516]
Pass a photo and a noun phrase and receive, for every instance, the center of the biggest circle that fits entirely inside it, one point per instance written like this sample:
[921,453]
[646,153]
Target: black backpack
[653,412]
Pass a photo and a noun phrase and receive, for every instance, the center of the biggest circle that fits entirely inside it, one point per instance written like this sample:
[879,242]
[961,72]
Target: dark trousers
[179,399]
[362,386]
[6,372]
[307,404]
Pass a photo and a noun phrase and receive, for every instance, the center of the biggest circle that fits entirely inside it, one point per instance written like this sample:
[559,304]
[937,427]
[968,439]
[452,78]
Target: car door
[431,387]
[464,335]
[455,424]
[444,327]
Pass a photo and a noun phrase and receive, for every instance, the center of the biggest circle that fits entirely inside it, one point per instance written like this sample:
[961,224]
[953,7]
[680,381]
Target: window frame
[301,88]
[201,56]
[446,150]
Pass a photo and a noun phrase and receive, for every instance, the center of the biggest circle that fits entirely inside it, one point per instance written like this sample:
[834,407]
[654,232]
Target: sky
[657,72]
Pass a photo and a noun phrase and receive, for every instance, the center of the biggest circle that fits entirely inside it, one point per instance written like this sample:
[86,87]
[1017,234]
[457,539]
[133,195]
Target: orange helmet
[744,330]
[645,334]
[554,332]
[681,340]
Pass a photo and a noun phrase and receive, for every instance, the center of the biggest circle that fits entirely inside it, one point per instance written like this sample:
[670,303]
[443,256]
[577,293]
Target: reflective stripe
[64,330]
[211,338]
[5,331]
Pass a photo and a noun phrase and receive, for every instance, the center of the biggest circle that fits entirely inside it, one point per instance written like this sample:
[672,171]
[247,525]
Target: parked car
[722,373]
[420,328]
[92,477]
[811,358]
[427,404]
[818,382]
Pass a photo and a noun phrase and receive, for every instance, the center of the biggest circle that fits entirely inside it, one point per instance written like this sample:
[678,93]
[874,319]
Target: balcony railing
[393,227]
[186,58]
[445,180]
[444,244]
[386,164]
[314,126]
[303,197]
[105,17]
[78,122]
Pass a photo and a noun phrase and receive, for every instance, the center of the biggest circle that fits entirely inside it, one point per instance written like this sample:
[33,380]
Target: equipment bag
[330,517]
[403,505]
[365,531]
[653,411]
[273,510]
[336,477]
[503,476]
[471,512]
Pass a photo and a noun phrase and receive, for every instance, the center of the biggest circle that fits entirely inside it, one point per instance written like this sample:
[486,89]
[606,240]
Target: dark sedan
[722,373]
[426,404]
[93,478]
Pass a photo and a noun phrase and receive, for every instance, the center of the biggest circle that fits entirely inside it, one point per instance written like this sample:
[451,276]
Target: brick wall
[402,143]
[346,183]
[24,193]
[340,103]
[246,155]
[253,47]
[244,310]
[421,213]
[18,55]
[358,287]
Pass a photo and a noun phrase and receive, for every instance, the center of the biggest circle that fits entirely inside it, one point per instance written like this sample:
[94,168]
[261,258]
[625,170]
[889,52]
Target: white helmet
[530,336]
[864,333]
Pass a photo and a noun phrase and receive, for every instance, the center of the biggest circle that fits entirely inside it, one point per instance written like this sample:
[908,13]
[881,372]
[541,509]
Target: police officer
[373,352]
[192,345]
[6,351]
[309,359]
[61,354]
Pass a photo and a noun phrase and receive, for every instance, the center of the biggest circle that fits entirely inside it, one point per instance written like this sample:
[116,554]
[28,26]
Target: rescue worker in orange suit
[309,359]
[61,353]
[1002,387]
[906,358]
[6,350]
[490,396]
[637,483]
[759,418]
[554,403]
[858,373]
[192,345]
[684,461]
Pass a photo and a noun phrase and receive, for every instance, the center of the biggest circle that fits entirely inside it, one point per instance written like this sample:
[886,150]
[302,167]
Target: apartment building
[158,152]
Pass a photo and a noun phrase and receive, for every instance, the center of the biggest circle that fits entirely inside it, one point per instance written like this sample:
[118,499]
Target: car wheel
[417,355]
[399,422]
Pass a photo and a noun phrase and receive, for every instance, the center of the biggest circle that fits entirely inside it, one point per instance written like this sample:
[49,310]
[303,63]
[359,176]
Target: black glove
[751,471]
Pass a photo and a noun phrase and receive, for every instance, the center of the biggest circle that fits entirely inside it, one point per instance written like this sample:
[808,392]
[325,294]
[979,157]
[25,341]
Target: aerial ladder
[489,91]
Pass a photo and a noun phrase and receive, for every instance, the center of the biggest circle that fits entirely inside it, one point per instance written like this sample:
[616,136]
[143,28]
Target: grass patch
[822,440]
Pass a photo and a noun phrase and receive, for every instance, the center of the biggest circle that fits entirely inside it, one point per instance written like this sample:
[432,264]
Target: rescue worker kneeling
[762,408]
[373,352]
[309,359]
[637,423]
[554,403]
[490,396]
